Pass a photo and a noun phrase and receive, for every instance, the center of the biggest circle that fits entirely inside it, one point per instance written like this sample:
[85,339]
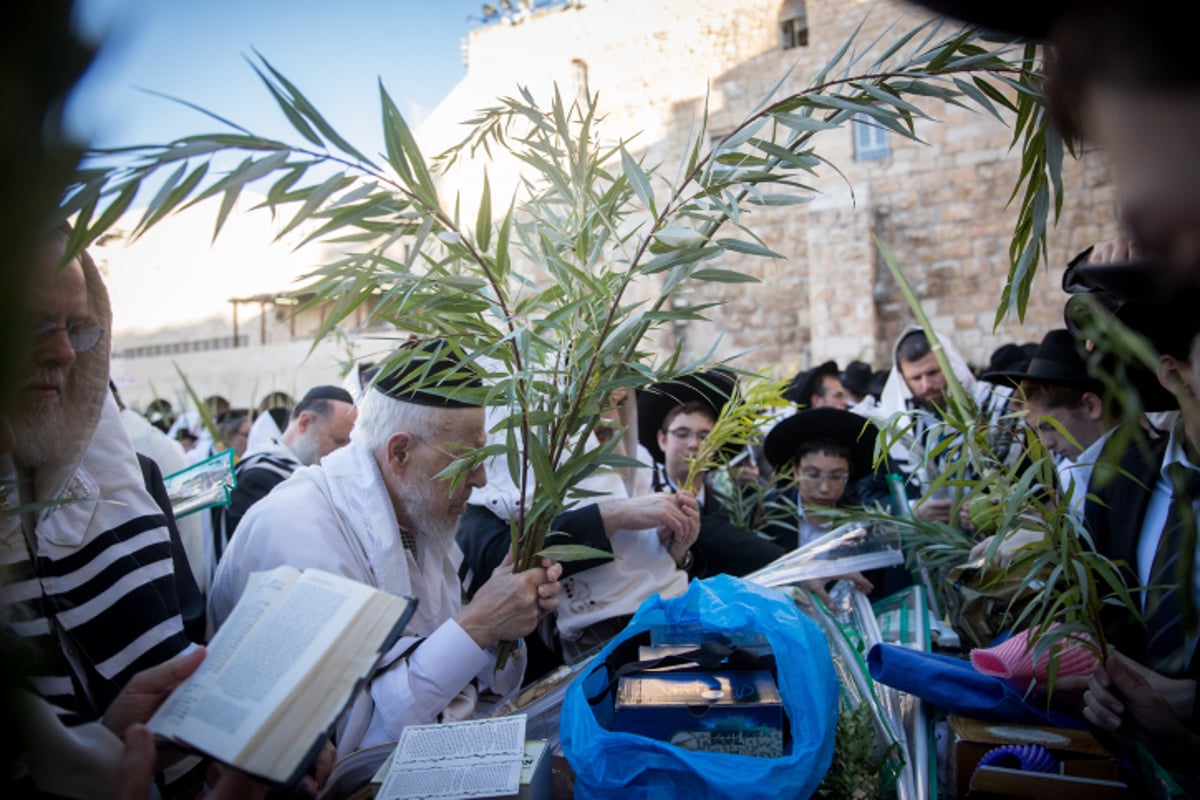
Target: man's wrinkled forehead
[56,284]
[463,427]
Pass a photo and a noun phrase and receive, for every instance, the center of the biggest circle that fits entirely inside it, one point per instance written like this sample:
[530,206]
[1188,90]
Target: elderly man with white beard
[375,511]
[85,564]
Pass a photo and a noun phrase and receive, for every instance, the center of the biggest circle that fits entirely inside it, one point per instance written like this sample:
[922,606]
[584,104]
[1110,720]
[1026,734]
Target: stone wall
[940,207]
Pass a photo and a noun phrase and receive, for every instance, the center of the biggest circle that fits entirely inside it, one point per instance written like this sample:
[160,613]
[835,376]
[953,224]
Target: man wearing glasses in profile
[86,571]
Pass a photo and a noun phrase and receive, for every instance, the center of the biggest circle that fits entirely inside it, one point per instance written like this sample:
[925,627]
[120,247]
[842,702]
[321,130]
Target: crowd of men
[105,594]
[106,608]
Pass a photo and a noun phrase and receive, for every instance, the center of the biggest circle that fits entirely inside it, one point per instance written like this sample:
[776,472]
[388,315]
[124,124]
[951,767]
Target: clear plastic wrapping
[853,547]
[205,484]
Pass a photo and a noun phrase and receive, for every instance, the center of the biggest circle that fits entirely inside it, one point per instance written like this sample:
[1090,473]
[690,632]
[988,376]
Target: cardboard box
[535,771]
[1087,770]
[721,712]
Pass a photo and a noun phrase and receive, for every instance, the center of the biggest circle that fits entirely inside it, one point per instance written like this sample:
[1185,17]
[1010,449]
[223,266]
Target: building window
[793,24]
[870,139]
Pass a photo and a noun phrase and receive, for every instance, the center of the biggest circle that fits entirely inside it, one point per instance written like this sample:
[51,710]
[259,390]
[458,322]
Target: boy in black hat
[1064,405]
[819,387]
[674,418]
[822,451]
[818,453]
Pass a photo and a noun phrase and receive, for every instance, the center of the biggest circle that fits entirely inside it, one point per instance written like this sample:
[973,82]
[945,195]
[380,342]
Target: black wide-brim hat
[713,388]
[845,427]
[805,383]
[1057,360]
[1146,299]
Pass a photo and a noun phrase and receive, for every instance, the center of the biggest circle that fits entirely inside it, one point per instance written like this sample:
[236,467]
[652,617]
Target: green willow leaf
[483,221]
[723,276]
[638,180]
[572,552]
[749,248]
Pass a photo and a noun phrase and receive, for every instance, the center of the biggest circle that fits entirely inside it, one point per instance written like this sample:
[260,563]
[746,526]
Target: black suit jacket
[191,601]
[724,548]
[1114,520]
[485,540]
[252,485]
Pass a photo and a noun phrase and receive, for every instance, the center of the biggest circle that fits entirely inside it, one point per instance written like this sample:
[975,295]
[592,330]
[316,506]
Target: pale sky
[335,52]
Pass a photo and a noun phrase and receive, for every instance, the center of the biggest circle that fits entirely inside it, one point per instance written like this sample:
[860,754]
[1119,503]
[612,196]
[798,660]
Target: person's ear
[398,451]
[662,441]
[1092,405]
[1171,375]
[304,420]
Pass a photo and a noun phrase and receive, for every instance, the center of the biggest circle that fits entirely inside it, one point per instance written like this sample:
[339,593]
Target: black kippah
[431,373]
[327,393]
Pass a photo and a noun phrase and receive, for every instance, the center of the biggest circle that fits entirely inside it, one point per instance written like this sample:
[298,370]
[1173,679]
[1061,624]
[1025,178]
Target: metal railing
[190,346]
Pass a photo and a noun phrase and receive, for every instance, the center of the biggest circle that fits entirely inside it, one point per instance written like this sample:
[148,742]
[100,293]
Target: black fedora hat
[846,427]
[856,377]
[804,384]
[1146,299]
[1010,357]
[1057,360]
[713,388]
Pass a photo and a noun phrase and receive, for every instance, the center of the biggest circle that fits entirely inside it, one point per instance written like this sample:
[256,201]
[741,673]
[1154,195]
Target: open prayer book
[281,669]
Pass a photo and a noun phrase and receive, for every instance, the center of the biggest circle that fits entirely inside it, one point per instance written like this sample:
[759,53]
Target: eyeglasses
[817,478]
[686,434]
[83,336]
[471,456]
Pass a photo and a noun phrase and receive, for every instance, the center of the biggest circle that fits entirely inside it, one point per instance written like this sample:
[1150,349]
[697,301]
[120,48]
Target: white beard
[43,430]
[425,509]
[305,450]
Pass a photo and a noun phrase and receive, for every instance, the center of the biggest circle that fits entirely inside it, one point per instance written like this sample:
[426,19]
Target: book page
[476,758]
[262,590]
[275,636]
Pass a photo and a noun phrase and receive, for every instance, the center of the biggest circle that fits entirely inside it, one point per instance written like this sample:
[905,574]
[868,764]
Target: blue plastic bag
[615,764]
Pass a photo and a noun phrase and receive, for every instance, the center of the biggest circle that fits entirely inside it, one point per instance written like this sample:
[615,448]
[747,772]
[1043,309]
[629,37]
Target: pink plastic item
[1012,659]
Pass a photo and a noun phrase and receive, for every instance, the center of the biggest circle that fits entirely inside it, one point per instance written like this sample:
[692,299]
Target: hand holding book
[281,669]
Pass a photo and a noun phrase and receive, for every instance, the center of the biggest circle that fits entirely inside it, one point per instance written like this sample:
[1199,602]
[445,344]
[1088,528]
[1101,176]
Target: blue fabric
[956,686]
[611,764]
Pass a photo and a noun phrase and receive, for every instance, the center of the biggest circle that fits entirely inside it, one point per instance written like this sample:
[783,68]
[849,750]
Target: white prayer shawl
[641,567]
[896,401]
[262,433]
[274,450]
[338,517]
